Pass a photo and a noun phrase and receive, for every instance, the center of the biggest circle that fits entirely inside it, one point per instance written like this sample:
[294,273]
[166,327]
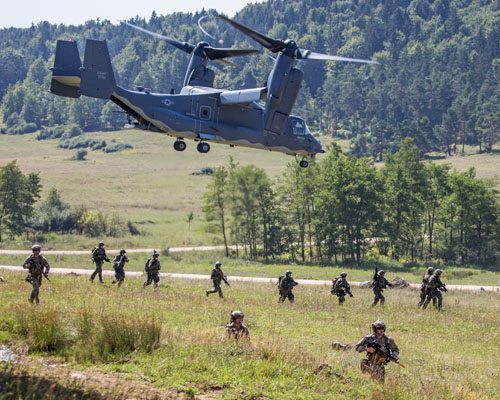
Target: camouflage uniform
[217,276]
[98,256]
[424,289]
[119,265]
[153,270]
[378,285]
[374,364]
[341,287]
[286,286]
[434,292]
[232,331]
[37,266]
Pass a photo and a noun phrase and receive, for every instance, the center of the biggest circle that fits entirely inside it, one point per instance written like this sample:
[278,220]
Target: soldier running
[119,265]
[98,256]
[285,287]
[341,287]
[217,277]
[379,284]
[435,288]
[380,349]
[37,266]
[236,329]
[152,268]
[424,289]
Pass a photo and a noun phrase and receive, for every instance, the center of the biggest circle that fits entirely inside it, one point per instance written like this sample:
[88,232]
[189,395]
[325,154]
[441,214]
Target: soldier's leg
[439,300]
[378,373]
[219,290]
[365,365]
[156,279]
[377,297]
[382,299]
[341,298]
[423,295]
[291,297]
[99,272]
[35,282]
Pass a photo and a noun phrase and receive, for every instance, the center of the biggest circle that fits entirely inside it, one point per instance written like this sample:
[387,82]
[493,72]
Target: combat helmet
[378,324]
[237,314]
[36,247]
[430,270]
[100,244]
[155,254]
[123,251]
[381,272]
[438,272]
[288,273]
[218,263]
[343,274]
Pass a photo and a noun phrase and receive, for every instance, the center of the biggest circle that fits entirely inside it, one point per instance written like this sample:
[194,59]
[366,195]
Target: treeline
[344,209]
[438,81]
[18,214]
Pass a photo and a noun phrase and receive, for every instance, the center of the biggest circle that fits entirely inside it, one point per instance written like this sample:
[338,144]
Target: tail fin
[98,79]
[66,71]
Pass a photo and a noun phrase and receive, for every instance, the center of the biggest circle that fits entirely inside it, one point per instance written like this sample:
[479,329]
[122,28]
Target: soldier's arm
[27,264]
[360,346]
[46,266]
[393,347]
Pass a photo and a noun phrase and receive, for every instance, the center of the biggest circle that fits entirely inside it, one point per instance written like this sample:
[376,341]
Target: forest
[437,81]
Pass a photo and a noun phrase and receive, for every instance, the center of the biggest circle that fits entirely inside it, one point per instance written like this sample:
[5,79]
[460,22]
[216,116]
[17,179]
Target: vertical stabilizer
[66,71]
[98,79]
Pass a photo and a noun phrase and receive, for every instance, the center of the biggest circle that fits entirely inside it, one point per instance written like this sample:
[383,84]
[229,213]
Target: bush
[99,146]
[43,329]
[72,131]
[117,147]
[78,142]
[80,155]
[52,133]
[92,223]
[21,129]
[132,228]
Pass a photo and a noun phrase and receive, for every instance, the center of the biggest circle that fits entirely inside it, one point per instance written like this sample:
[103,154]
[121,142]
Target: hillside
[436,82]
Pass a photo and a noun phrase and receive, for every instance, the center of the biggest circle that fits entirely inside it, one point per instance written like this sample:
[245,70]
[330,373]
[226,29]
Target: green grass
[153,185]
[447,355]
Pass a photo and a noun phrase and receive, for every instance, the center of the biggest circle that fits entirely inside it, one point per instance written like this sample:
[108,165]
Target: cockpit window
[299,127]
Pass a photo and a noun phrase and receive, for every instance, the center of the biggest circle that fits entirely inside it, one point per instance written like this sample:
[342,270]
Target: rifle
[225,281]
[375,275]
[46,275]
[443,288]
[378,349]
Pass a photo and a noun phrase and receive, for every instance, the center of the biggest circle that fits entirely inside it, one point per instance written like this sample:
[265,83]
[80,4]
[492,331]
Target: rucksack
[146,267]
[280,279]
[94,254]
[334,281]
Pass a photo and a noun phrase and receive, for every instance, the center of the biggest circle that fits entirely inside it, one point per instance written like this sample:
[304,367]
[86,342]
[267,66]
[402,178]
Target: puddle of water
[7,355]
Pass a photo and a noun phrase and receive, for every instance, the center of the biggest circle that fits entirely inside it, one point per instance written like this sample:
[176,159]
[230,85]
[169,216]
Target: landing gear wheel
[203,147]
[304,164]
[180,145]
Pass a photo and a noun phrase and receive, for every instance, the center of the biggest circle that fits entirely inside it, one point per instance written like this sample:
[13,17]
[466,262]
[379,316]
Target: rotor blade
[227,63]
[270,44]
[303,54]
[217,53]
[203,30]
[188,48]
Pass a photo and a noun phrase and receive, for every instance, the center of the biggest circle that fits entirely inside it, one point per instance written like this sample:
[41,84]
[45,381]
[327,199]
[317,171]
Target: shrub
[80,155]
[72,131]
[132,228]
[78,142]
[92,223]
[112,148]
[99,146]
[52,133]
[43,329]
[21,128]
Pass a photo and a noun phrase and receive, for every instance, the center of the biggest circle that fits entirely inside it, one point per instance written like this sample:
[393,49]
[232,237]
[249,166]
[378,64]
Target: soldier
[236,328]
[98,256]
[152,268]
[37,266]
[424,289]
[285,287]
[380,348]
[217,276]
[119,265]
[341,287]
[435,288]
[379,284]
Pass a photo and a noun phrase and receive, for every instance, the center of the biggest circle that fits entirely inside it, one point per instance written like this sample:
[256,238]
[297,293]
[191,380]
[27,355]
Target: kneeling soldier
[37,266]
[236,328]
[341,287]
[381,349]
[153,270]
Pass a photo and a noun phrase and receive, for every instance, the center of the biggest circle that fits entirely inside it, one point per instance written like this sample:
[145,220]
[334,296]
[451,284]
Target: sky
[22,13]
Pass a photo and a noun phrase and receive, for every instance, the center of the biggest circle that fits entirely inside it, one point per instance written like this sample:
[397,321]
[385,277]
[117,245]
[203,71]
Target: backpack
[334,281]
[94,254]
[280,279]
[146,267]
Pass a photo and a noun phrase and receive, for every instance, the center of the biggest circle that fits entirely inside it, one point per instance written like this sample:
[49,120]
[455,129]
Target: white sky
[21,13]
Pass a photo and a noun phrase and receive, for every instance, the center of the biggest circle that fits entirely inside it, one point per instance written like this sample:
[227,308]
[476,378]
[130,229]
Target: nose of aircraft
[316,146]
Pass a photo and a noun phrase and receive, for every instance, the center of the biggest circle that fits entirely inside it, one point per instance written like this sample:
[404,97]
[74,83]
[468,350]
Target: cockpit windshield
[299,127]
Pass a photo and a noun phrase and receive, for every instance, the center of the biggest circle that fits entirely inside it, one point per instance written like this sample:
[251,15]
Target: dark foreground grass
[172,338]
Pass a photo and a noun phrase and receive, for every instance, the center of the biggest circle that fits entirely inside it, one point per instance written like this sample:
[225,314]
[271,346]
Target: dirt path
[66,271]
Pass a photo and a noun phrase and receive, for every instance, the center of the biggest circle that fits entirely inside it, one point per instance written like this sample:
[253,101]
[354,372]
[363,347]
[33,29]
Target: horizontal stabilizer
[66,71]
[98,79]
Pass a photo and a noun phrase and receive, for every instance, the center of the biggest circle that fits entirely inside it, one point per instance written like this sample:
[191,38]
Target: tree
[18,194]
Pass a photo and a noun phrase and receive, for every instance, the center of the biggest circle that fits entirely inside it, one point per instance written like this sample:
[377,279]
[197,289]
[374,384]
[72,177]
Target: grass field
[168,343]
[202,263]
[153,185]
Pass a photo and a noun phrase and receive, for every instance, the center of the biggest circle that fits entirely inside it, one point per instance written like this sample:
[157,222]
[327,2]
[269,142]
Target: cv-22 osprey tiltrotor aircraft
[201,112]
